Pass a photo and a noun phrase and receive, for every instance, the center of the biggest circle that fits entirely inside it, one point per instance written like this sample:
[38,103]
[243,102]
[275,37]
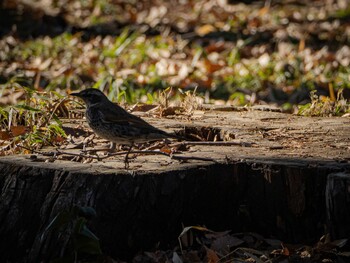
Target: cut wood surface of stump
[278,180]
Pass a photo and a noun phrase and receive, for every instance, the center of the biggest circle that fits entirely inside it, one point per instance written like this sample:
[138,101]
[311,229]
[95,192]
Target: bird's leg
[126,160]
[112,147]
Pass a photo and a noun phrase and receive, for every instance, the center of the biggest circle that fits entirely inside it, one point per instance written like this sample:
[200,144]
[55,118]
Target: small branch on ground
[100,158]
[219,143]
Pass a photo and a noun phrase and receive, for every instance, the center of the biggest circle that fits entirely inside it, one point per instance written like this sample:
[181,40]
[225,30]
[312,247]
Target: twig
[6,147]
[99,158]
[37,152]
[59,152]
[185,158]
[175,157]
[219,143]
[96,150]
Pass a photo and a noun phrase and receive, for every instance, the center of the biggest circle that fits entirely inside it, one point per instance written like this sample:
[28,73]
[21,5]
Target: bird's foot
[112,149]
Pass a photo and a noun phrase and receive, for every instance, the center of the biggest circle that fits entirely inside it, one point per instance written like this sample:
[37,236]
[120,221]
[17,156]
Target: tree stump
[283,184]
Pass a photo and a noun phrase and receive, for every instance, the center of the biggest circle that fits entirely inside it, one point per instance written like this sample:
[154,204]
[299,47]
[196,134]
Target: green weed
[325,106]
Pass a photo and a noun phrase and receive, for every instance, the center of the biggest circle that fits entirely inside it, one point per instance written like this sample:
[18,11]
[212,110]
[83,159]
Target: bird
[113,123]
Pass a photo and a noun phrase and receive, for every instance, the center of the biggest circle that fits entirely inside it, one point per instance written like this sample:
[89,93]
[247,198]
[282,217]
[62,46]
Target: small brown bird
[113,123]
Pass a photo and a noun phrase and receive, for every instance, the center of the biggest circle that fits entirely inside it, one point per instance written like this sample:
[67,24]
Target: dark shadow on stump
[136,211]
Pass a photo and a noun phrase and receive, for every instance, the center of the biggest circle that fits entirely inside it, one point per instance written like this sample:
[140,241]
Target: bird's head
[91,96]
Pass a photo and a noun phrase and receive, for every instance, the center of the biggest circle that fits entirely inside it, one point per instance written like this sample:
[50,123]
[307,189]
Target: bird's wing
[120,116]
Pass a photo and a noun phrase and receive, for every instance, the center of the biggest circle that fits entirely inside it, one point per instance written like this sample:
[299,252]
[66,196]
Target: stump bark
[338,204]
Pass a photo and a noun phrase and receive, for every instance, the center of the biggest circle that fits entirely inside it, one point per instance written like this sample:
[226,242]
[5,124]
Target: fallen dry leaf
[19,130]
[5,135]
[212,257]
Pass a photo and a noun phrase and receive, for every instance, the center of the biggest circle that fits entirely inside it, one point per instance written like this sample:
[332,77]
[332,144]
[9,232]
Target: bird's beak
[76,94]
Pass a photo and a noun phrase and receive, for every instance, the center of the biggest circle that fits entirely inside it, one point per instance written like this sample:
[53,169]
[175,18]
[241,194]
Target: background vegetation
[238,53]
[291,54]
